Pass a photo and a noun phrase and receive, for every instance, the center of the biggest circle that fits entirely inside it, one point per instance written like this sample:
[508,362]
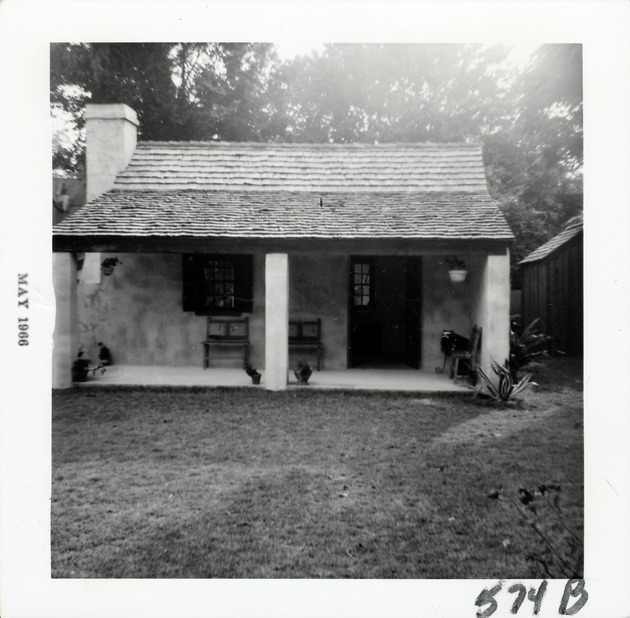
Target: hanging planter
[108,265]
[457,269]
[457,276]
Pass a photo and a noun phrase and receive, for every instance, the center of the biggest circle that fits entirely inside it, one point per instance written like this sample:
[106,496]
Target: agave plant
[507,388]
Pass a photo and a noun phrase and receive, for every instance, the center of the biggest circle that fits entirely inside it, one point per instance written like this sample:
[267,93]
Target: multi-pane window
[363,282]
[219,285]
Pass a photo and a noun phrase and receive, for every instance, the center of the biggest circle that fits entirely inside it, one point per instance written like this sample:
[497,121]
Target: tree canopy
[528,118]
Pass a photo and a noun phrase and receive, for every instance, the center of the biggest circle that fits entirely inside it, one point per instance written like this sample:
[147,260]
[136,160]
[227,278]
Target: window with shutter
[218,284]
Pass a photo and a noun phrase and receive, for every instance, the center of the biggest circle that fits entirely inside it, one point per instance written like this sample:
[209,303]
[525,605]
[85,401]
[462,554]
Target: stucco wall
[137,312]
[318,289]
[446,305]
[110,140]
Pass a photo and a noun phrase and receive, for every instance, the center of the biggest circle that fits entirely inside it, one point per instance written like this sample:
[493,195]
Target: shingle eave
[552,245]
[254,214]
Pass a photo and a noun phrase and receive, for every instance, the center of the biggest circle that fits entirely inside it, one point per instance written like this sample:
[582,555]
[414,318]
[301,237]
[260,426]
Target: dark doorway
[384,311]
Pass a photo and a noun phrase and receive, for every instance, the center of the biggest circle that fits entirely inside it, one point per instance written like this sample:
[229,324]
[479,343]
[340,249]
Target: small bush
[526,349]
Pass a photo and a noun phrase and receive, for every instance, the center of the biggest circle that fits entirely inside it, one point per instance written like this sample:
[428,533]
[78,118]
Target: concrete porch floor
[352,379]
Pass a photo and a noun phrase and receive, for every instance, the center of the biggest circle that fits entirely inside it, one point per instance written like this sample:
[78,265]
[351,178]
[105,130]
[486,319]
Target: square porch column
[65,337]
[276,321]
[494,315]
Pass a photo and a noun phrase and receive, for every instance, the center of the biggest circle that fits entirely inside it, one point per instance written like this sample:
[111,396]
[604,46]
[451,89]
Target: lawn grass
[224,483]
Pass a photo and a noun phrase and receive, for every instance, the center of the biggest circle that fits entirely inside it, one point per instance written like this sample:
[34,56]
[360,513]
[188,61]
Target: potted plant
[252,373]
[108,264]
[456,269]
[80,368]
[302,372]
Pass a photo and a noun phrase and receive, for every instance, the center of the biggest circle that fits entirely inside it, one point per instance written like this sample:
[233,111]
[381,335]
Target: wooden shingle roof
[218,190]
[290,214]
[574,228]
[305,167]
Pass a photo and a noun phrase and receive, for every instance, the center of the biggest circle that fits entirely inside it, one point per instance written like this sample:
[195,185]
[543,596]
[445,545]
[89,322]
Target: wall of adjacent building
[553,292]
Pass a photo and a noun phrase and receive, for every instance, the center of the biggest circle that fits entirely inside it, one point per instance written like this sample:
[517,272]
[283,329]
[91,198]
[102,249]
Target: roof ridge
[316,145]
[323,191]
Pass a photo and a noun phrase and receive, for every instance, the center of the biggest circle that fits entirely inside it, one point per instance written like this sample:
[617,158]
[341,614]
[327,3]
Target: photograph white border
[26,29]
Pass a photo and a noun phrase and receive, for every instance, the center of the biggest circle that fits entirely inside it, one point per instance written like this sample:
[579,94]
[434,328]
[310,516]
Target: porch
[390,321]
[343,379]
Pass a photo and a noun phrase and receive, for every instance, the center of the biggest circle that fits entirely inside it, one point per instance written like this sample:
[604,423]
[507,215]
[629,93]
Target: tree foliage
[139,74]
[180,91]
[394,93]
[535,166]
[528,119]
[236,94]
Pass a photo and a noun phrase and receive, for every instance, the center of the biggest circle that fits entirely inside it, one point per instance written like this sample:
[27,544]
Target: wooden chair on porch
[469,356]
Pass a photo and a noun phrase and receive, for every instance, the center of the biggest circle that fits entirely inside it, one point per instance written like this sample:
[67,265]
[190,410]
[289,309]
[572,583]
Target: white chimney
[110,140]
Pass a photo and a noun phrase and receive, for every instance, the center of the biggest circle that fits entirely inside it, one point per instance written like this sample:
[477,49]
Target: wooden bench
[306,334]
[226,333]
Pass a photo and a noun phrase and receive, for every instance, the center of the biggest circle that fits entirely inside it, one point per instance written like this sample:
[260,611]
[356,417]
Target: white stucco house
[352,236]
